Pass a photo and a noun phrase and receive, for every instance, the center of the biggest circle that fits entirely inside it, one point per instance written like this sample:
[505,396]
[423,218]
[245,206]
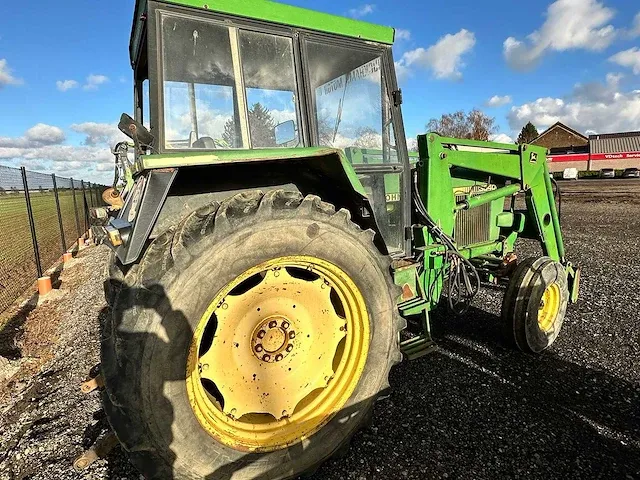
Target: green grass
[17,259]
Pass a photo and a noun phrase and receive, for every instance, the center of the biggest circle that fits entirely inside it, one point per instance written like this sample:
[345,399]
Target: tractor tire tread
[176,246]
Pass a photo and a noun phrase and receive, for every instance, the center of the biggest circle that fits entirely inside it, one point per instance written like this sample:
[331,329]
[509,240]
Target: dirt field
[475,409]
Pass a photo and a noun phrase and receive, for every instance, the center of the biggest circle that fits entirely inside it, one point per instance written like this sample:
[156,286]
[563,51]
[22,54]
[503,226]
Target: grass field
[17,259]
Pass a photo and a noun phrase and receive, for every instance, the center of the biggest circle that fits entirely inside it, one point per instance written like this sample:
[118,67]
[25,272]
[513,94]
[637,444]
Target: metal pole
[96,196]
[90,195]
[55,193]
[31,221]
[75,207]
[85,206]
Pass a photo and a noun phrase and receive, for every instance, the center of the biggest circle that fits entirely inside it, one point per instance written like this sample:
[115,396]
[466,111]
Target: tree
[261,127]
[528,133]
[367,137]
[474,125]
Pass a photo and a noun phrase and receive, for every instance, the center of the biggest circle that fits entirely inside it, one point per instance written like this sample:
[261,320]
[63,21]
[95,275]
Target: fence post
[55,193]
[94,204]
[96,196]
[85,206]
[31,221]
[75,207]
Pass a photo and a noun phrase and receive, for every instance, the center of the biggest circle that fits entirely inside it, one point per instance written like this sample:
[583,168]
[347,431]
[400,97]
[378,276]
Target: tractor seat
[205,143]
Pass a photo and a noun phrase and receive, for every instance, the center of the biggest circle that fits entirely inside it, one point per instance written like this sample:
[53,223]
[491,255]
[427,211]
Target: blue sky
[65,75]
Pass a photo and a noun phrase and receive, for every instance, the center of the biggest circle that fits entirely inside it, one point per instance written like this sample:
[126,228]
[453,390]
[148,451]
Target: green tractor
[272,236]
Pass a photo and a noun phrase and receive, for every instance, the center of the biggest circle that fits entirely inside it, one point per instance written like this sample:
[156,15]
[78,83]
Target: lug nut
[273,324]
[289,347]
[292,335]
[279,357]
[258,348]
[266,358]
[285,325]
[285,413]
[261,334]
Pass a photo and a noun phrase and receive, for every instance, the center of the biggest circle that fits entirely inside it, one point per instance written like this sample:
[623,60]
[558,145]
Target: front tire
[535,304]
[178,421]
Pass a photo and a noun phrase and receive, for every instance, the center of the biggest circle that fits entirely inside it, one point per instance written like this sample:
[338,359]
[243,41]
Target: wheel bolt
[258,348]
[266,358]
[289,347]
[285,413]
[285,325]
[273,324]
[292,335]
[261,334]
[279,357]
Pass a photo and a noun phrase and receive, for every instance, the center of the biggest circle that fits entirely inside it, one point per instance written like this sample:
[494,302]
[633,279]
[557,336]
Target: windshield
[225,87]
[351,101]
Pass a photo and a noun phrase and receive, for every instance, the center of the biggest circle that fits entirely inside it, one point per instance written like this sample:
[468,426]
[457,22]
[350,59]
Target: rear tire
[535,304]
[159,303]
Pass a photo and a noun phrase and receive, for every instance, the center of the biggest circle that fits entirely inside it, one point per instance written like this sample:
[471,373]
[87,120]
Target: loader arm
[512,168]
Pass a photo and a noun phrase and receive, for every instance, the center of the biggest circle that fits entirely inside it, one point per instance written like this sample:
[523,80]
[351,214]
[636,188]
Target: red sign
[573,157]
[584,157]
[615,156]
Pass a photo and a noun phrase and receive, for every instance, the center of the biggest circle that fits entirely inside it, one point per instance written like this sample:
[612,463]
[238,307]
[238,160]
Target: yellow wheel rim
[278,353]
[549,307]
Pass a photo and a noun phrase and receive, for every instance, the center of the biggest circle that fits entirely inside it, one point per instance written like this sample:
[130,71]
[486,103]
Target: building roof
[615,142]
[269,11]
[564,127]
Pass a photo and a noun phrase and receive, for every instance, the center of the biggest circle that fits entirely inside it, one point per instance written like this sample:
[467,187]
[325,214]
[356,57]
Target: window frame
[157,80]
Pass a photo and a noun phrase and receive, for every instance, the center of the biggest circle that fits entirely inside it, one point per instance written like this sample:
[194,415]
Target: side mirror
[135,131]
[285,132]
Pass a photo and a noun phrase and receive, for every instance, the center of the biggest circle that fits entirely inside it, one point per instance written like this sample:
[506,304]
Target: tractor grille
[472,226]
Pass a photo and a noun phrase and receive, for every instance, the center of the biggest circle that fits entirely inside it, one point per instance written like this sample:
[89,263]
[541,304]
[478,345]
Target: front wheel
[251,341]
[535,304]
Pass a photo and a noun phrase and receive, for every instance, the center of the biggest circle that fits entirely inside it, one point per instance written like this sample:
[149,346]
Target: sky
[65,76]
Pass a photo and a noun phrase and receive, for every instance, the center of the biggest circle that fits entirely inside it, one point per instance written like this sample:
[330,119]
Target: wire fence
[41,217]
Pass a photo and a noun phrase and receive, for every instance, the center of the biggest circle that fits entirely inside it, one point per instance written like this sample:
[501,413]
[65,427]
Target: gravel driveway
[475,409]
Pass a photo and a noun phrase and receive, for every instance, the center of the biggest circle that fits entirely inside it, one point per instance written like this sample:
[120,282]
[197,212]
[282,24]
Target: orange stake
[44,286]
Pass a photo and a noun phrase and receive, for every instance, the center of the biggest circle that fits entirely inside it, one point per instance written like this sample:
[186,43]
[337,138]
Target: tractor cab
[232,76]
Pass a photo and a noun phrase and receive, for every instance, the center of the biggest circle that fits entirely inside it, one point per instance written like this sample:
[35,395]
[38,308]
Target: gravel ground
[475,409]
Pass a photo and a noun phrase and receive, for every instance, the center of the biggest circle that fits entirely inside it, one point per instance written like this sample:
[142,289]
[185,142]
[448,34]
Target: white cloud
[501,138]
[104,134]
[570,24]
[596,106]
[402,71]
[42,148]
[444,58]
[402,34]
[628,58]
[6,75]
[94,81]
[64,85]
[362,10]
[37,136]
[498,101]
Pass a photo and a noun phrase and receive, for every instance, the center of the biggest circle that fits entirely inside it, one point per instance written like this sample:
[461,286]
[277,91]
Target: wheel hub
[273,339]
[549,307]
[287,343]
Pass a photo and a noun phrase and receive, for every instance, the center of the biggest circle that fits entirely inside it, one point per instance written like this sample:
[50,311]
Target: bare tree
[475,125]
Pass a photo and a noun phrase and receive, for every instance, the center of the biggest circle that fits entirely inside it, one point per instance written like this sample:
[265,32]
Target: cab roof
[274,12]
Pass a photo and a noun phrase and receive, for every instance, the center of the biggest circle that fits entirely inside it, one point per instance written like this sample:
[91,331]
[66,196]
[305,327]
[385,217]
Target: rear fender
[163,197]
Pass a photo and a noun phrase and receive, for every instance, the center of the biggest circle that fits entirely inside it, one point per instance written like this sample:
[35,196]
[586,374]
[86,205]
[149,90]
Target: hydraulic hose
[463,279]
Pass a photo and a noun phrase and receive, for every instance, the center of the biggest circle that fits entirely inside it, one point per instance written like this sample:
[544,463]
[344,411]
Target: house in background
[571,149]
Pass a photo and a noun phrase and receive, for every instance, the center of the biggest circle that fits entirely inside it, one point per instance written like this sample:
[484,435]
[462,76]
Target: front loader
[272,237]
